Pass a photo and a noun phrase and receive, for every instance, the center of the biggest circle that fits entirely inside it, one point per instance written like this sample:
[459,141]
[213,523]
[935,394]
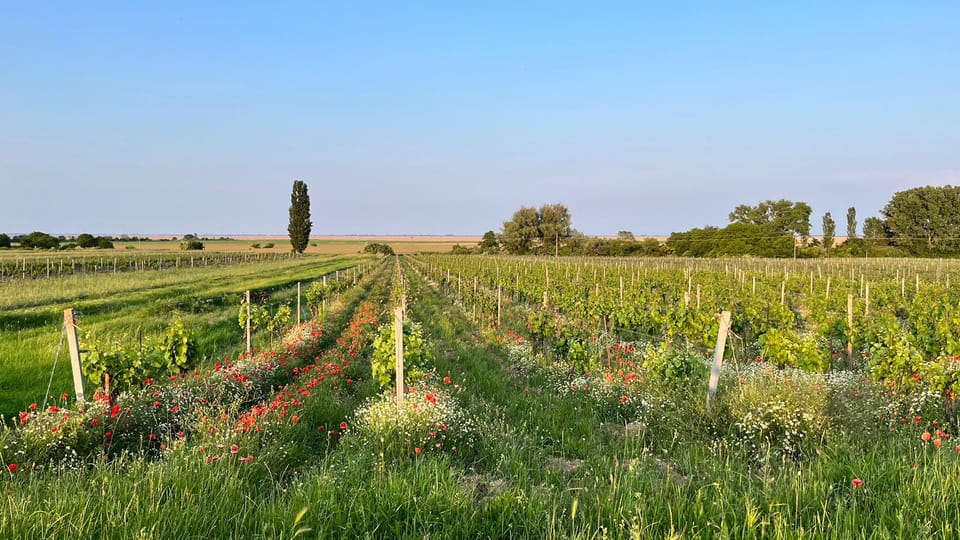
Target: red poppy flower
[114,411]
[446,380]
[417,450]
[153,436]
[53,409]
[108,434]
[32,407]
[431,398]
[343,425]
[926,436]
[234,449]
[12,467]
[856,482]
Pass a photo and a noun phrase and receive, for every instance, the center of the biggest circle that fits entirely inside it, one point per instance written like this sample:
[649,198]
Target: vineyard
[540,398]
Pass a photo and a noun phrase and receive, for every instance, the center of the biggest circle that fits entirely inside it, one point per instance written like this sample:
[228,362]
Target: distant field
[327,245]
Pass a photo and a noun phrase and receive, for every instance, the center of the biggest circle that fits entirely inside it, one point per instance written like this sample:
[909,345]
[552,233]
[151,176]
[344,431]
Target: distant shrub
[376,247]
[255,245]
[104,243]
[191,245]
[268,245]
[4,240]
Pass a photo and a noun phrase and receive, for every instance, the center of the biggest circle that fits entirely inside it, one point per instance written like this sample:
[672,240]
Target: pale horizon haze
[434,118]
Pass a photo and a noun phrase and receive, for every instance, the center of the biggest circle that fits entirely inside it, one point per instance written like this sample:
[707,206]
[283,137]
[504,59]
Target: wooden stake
[498,304]
[850,328]
[73,342]
[866,308]
[298,303]
[248,323]
[398,334]
[718,357]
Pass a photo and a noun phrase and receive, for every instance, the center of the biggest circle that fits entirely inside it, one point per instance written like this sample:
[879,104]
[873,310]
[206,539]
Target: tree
[851,223]
[829,230]
[520,233]
[925,220]
[554,224]
[300,224]
[86,240]
[779,217]
[39,240]
[489,243]
[104,242]
[875,231]
[625,236]
[4,240]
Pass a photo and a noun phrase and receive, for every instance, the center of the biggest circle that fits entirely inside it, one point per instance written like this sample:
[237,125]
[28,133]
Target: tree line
[923,221]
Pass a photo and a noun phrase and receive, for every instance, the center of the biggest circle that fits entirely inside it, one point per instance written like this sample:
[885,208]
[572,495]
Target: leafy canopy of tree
[4,240]
[489,243]
[39,240]
[851,223]
[777,217]
[536,231]
[732,240]
[300,224]
[924,220]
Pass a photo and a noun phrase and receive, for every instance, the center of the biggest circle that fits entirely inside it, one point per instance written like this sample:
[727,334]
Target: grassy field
[495,439]
[116,307]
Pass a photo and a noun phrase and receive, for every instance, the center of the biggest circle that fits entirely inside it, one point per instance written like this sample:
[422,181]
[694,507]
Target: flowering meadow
[503,432]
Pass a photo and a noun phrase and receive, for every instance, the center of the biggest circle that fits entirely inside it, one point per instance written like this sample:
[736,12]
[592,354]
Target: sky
[446,117]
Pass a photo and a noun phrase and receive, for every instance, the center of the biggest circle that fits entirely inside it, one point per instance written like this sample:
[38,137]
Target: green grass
[547,467]
[118,306]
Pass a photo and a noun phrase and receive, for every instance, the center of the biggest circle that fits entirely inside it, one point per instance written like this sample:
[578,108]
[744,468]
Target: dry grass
[325,245]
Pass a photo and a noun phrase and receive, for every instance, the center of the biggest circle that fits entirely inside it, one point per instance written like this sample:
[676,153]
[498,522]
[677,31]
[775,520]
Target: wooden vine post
[298,303]
[248,323]
[850,328]
[73,342]
[398,338]
[718,357]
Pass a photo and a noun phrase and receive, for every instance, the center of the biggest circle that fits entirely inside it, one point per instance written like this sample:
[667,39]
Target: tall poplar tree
[829,231]
[300,223]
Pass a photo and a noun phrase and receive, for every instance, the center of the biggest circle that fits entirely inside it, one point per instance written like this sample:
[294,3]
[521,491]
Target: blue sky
[445,117]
